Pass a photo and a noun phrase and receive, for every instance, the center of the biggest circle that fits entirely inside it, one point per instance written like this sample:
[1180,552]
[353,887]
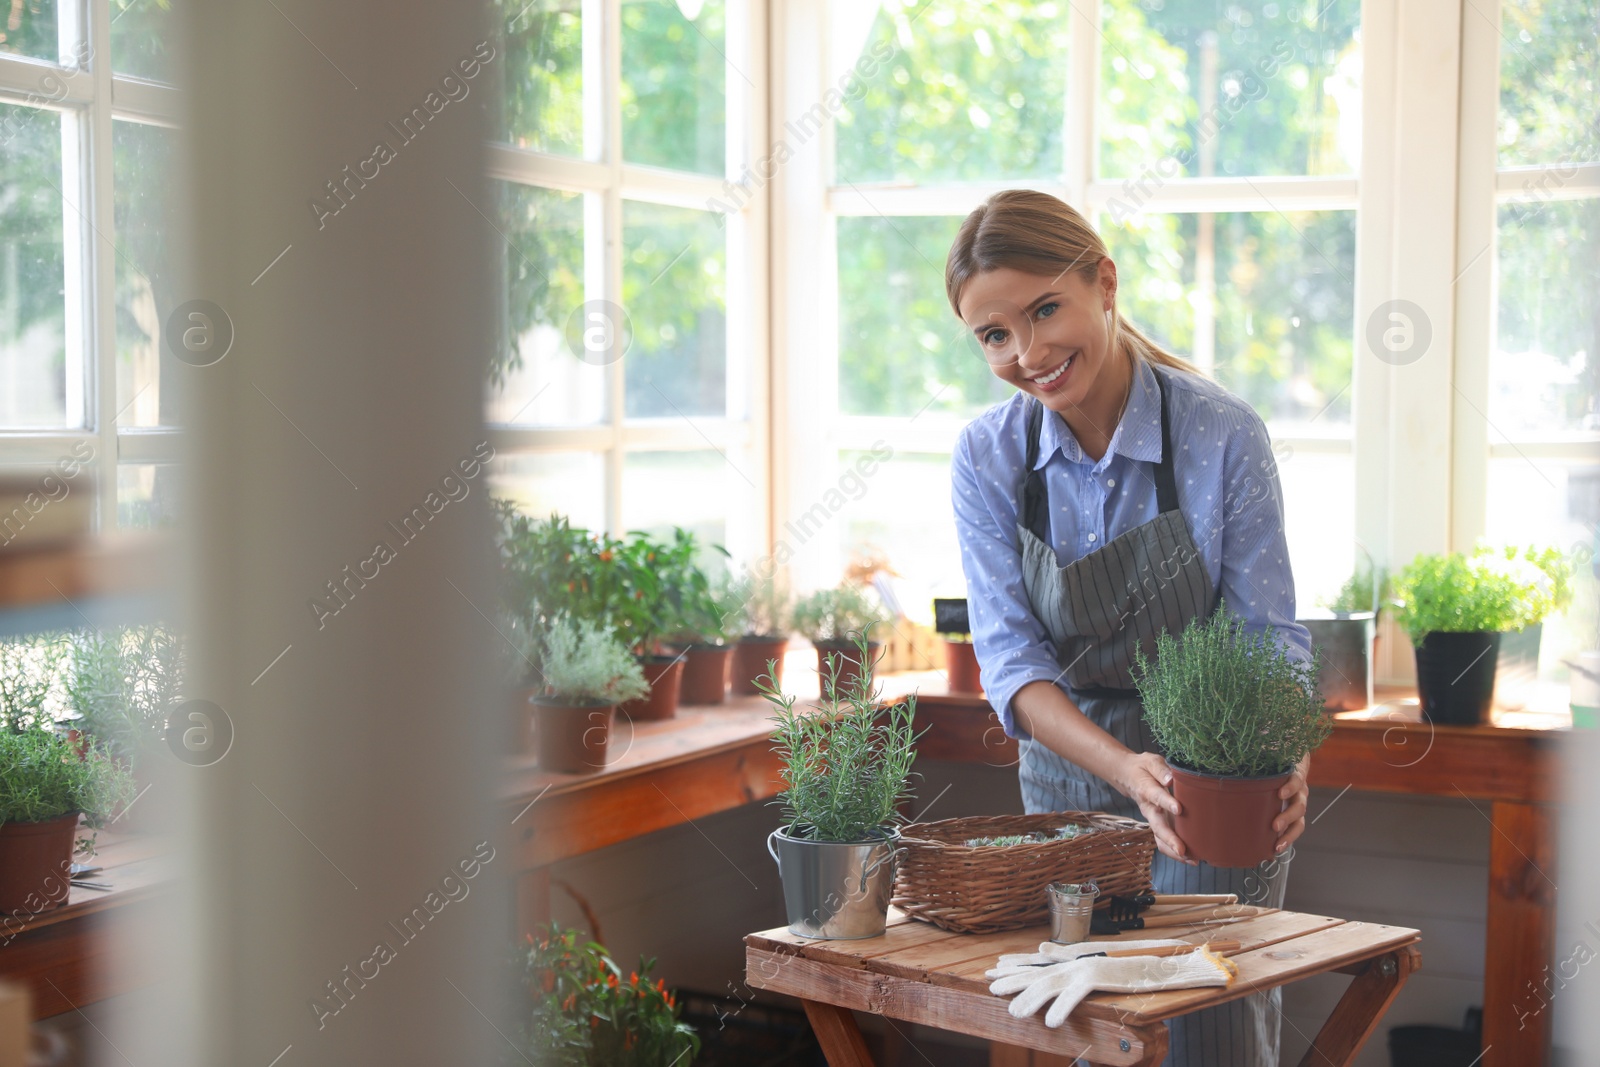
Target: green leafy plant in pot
[1546,577]
[764,621]
[1455,609]
[46,783]
[643,604]
[1234,714]
[961,657]
[707,608]
[587,673]
[1345,635]
[846,769]
[832,619]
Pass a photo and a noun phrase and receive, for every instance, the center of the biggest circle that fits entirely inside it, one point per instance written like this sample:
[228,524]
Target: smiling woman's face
[1046,335]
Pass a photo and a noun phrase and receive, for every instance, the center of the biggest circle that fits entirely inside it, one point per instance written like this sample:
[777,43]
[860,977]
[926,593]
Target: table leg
[838,1035]
[1521,935]
[1356,1015]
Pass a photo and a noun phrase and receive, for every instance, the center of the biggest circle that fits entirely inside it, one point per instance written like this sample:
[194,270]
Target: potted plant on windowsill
[764,622]
[586,673]
[704,624]
[1346,639]
[960,655]
[832,619]
[1546,576]
[46,783]
[1455,609]
[846,769]
[1234,715]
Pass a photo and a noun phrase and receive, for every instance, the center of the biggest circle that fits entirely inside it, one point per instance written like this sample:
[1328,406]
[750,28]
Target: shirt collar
[1137,436]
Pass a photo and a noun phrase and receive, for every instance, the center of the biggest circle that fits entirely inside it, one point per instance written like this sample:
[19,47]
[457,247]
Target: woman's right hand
[1144,779]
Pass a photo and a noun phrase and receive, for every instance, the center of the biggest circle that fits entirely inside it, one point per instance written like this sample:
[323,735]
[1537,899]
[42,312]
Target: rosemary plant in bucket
[845,769]
[1234,714]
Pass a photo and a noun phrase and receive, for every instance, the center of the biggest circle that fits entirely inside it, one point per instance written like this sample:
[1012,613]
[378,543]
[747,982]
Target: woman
[1119,493]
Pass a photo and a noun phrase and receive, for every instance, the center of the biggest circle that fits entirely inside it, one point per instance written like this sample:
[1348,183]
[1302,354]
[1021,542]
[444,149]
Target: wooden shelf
[112,579]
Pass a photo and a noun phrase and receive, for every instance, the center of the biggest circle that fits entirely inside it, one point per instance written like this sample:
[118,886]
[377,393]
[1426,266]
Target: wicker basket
[990,888]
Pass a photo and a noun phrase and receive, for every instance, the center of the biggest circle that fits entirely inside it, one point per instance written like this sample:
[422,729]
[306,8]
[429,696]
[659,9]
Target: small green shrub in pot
[1234,713]
[832,619]
[846,769]
[1455,608]
[1546,575]
[763,620]
[123,684]
[585,673]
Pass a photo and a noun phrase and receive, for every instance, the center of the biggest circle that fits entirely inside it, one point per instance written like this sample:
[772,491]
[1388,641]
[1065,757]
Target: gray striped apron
[1097,610]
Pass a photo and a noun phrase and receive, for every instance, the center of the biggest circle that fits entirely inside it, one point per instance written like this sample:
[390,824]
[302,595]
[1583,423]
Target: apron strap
[1035,515]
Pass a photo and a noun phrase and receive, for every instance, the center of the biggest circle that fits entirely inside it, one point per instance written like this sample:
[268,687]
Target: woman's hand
[1143,777]
[1292,822]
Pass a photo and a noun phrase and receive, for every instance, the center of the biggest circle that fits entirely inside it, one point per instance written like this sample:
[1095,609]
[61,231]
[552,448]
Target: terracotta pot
[961,667]
[1227,822]
[1455,676]
[705,674]
[850,667]
[35,865]
[572,738]
[665,675]
[750,658]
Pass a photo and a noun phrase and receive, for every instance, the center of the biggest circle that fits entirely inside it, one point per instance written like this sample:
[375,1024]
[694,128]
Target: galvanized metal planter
[1345,642]
[836,890]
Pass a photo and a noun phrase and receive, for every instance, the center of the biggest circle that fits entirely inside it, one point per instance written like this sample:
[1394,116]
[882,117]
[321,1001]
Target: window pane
[1549,81]
[29,29]
[543,75]
[1319,519]
[696,490]
[1543,373]
[1545,501]
[902,351]
[1197,88]
[898,510]
[141,35]
[673,286]
[33,352]
[674,86]
[1263,300]
[147,496]
[545,376]
[945,90]
[540,483]
[140,170]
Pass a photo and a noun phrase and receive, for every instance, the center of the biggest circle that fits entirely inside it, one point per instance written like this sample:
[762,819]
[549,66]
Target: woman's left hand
[1292,822]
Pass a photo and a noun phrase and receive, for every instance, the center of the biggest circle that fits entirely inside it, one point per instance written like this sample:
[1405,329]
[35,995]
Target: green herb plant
[1545,573]
[583,663]
[1365,590]
[30,668]
[123,684]
[42,777]
[835,614]
[847,768]
[766,607]
[1037,837]
[1222,700]
[584,1013]
[1454,593]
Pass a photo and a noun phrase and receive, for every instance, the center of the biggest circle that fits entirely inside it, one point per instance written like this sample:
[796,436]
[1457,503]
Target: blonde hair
[1034,232]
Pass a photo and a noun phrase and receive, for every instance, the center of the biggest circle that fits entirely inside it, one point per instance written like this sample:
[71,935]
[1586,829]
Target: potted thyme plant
[1455,608]
[846,769]
[764,623]
[586,672]
[833,619]
[950,622]
[1234,714]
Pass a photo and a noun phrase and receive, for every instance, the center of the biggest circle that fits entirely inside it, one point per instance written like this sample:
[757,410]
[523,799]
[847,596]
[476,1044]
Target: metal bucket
[836,891]
[1345,642]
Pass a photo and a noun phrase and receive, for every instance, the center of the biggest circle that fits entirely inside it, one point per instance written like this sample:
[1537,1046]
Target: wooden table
[921,974]
[64,955]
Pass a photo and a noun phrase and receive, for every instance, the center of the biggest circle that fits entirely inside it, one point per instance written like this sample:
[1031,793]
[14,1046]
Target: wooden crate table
[921,974]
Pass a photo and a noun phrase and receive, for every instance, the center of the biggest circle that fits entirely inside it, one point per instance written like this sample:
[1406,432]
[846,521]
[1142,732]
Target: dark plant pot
[705,674]
[1346,644]
[35,864]
[750,658]
[850,666]
[961,667]
[1227,822]
[1455,676]
[665,675]
[1516,673]
[572,738]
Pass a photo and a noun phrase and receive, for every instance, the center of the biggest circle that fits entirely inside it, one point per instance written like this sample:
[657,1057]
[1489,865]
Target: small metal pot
[836,891]
[1345,642]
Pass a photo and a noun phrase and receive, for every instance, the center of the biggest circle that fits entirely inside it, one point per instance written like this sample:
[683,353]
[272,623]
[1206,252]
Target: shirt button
[1091,537]
[1111,483]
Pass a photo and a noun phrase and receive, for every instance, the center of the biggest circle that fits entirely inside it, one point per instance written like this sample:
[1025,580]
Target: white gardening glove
[1067,983]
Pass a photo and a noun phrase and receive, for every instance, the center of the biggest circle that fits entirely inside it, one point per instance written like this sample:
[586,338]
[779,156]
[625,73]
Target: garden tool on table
[1062,975]
[1124,913]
